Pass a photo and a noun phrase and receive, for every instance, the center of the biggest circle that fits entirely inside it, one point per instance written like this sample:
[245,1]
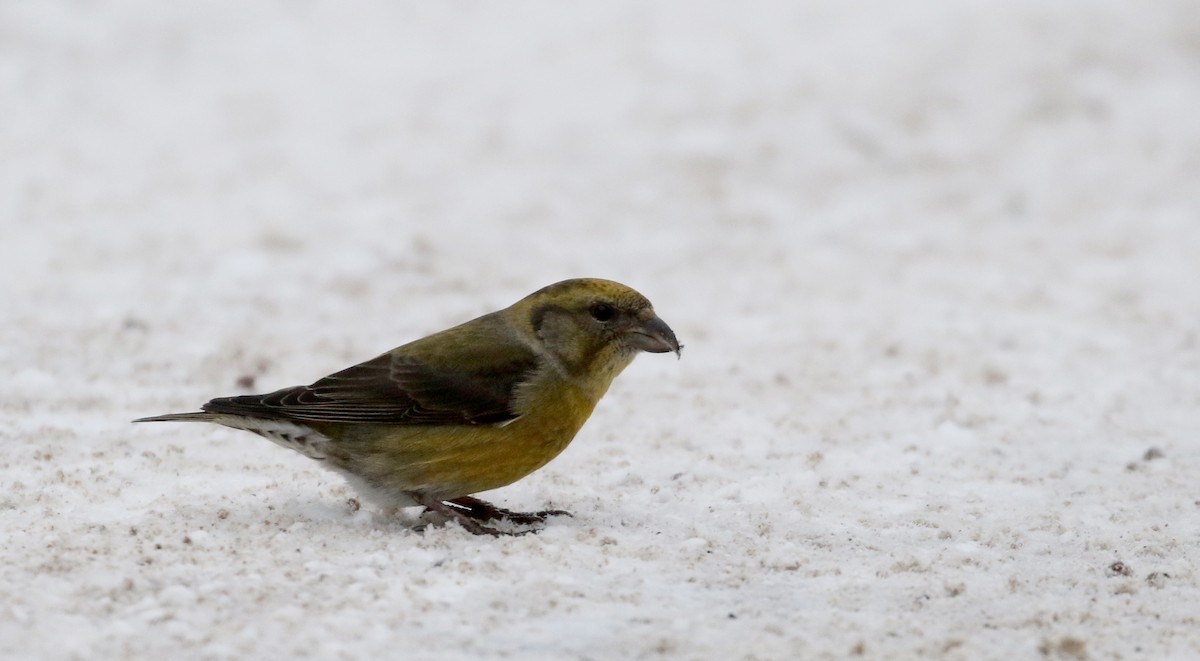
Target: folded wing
[398,389]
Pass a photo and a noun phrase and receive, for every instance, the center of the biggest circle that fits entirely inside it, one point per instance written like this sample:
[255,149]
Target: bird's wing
[398,388]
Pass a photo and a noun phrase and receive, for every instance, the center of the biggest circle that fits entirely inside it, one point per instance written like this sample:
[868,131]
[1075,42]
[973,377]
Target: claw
[468,512]
[482,510]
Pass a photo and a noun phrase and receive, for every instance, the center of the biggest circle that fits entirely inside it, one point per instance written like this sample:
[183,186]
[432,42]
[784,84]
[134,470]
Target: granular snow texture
[936,265]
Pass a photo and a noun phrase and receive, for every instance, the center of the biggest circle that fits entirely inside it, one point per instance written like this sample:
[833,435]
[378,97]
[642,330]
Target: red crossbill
[472,408]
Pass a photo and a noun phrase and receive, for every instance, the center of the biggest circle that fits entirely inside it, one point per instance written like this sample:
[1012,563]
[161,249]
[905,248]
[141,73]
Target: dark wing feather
[397,389]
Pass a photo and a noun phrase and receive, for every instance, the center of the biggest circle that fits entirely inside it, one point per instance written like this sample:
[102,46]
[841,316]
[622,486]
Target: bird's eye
[602,311]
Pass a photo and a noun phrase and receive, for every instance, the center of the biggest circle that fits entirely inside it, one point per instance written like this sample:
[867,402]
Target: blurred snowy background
[936,265]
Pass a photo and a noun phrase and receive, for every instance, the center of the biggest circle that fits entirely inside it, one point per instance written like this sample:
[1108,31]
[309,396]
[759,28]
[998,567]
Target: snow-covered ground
[936,265]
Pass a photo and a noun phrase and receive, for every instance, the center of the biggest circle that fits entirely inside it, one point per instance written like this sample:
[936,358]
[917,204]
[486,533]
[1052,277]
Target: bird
[468,409]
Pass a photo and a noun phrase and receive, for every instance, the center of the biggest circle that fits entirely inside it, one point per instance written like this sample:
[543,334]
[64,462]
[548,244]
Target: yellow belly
[451,461]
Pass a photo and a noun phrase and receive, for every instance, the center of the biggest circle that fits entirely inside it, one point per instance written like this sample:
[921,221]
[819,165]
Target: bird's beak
[655,336]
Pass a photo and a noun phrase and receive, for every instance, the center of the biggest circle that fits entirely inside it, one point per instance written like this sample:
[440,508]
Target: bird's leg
[469,523]
[481,510]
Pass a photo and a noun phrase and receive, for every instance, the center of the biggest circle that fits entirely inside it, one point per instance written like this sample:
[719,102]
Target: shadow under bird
[471,408]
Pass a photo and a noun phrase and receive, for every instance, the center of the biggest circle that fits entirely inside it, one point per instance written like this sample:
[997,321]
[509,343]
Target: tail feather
[181,417]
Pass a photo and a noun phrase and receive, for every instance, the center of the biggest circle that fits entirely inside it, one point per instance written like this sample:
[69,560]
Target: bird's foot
[469,522]
[481,510]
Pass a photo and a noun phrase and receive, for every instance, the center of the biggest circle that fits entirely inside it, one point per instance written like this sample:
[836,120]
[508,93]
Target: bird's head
[592,324]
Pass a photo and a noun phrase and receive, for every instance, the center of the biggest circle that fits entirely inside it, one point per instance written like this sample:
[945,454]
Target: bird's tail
[181,417]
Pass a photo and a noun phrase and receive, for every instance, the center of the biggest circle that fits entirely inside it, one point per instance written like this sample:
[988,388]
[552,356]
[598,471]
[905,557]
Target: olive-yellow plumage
[472,408]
